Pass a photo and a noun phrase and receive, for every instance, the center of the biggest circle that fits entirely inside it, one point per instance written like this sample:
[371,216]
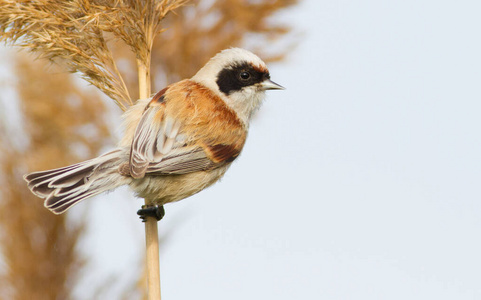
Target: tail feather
[70,179]
[64,187]
[59,204]
[49,178]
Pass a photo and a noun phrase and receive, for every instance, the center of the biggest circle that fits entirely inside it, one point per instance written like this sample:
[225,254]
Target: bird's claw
[155,211]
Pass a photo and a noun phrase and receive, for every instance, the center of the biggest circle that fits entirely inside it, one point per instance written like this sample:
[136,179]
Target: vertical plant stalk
[151,229]
[153,264]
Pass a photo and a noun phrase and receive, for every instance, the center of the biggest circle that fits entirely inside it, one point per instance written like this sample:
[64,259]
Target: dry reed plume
[73,34]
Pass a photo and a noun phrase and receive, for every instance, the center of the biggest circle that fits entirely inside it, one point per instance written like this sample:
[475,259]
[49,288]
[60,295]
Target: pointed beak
[271,85]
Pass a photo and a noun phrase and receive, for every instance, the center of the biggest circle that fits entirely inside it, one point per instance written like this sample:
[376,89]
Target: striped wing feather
[185,129]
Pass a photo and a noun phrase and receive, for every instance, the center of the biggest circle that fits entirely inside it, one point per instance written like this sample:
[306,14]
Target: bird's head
[240,78]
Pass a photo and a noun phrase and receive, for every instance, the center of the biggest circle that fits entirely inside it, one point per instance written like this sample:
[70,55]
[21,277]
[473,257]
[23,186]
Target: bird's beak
[271,85]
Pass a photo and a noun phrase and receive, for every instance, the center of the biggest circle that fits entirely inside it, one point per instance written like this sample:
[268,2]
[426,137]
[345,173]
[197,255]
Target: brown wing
[185,128]
[154,136]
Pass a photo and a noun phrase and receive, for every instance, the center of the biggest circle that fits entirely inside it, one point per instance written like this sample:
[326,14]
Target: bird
[175,144]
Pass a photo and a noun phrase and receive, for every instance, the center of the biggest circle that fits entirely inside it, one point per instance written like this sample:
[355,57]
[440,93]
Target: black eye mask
[237,76]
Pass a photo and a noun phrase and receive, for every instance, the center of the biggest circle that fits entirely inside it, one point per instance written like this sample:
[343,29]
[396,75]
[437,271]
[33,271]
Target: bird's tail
[61,188]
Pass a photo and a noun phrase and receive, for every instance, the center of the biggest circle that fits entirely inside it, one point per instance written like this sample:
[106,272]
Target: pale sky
[360,181]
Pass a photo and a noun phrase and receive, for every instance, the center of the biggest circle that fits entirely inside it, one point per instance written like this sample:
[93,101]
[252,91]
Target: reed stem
[151,229]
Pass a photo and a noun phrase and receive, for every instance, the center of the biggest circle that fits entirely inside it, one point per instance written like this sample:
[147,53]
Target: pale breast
[165,189]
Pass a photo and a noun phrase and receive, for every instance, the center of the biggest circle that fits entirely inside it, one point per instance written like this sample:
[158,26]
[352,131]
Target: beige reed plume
[74,34]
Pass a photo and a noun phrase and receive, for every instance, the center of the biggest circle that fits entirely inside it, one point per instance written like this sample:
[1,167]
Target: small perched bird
[176,143]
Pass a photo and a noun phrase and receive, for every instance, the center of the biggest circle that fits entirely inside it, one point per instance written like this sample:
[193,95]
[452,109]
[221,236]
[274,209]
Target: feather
[61,188]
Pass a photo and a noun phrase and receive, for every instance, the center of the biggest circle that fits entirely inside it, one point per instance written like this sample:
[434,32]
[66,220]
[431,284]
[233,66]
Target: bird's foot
[155,211]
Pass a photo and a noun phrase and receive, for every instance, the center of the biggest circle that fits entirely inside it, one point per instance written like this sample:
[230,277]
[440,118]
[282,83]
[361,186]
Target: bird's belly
[164,189]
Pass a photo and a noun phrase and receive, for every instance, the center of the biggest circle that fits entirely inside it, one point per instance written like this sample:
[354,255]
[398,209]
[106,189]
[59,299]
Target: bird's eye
[244,75]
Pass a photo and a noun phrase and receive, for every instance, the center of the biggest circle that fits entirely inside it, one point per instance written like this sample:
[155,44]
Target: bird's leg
[156,211]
